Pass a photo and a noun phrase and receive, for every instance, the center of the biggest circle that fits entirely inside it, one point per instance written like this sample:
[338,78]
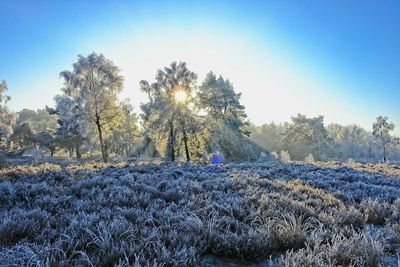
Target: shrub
[292,230]
[357,250]
[302,258]
[374,211]
[3,162]
[22,225]
[163,214]
[396,208]
[39,255]
[230,238]
[350,217]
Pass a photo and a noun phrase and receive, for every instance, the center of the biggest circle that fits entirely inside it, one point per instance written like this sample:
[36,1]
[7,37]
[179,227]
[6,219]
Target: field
[162,214]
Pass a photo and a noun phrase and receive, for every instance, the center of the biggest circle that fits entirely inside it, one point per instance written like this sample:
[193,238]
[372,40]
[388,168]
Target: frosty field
[162,214]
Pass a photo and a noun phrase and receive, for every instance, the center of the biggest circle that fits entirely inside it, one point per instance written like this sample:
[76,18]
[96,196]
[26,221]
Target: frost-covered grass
[162,214]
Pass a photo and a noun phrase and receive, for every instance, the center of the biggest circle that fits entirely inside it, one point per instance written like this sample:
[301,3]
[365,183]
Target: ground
[162,214]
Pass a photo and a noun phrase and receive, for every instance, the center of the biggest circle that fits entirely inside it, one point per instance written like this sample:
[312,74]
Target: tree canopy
[94,84]
[7,118]
[381,131]
[169,115]
[182,119]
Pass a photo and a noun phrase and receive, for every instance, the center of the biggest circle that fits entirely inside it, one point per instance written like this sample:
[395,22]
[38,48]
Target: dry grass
[160,214]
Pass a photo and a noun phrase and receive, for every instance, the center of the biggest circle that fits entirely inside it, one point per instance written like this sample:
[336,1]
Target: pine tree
[225,125]
[169,113]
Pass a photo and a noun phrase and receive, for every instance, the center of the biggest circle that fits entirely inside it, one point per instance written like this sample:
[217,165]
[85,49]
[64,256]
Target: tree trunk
[171,144]
[77,152]
[185,140]
[106,149]
[384,153]
[369,150]
[186,146]
[103,150]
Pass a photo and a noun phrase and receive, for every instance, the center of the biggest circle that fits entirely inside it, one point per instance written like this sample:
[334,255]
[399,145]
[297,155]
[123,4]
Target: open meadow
[264,213]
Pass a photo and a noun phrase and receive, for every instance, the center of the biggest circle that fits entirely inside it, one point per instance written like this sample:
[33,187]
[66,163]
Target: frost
[163,214]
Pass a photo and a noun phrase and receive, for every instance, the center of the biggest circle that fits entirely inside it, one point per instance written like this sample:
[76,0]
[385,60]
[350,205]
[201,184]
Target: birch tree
[96,83]
[123,139]
[381,131]
[7,118]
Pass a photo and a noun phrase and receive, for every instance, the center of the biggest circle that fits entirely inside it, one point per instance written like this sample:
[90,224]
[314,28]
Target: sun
[180,96]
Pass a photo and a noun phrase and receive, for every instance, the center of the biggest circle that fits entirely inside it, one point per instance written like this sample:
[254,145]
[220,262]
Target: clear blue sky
[337,58]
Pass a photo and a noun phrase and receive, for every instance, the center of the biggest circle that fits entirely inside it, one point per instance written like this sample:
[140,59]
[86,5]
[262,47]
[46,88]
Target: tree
[45,139]
[219,99]
[95,83]
[123,137]
[306,135]
[168,114]
[225,125]
[381,131]
[35,127]
[7,118]
[39,120]
[68,133]
[269,136]
[350,141]
[22,135]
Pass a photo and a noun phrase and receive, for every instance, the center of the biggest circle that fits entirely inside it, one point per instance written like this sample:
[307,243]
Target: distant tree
[269,136]
[95,82]
[341,143]
[39,120]
[3,88]
[350,141]
[22,135]
[381,131]
[35,127]
[306,135]
[7,118]
[45,139]
[68,133]
[168,114]
[123,138]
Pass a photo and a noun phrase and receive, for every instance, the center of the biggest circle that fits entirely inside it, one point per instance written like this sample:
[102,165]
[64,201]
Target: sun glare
[180,96]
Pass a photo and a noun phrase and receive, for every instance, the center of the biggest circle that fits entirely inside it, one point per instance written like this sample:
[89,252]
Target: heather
[170,214]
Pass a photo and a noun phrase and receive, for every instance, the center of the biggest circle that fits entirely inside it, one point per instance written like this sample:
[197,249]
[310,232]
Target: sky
[340,59]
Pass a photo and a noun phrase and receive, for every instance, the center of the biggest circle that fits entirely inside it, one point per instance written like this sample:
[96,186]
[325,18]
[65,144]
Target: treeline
[182,119]
[308,139]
